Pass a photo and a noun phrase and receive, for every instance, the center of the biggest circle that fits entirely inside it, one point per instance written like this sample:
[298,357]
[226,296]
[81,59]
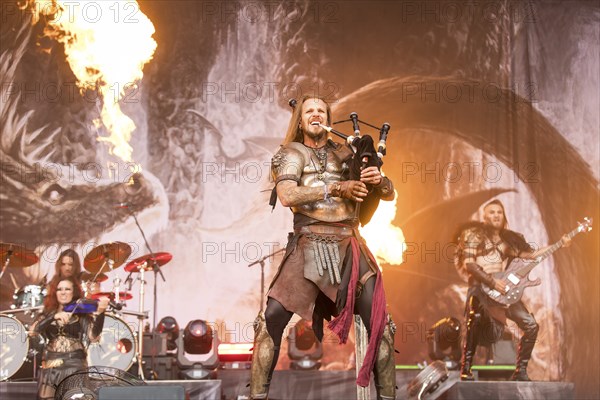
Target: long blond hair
[294,132]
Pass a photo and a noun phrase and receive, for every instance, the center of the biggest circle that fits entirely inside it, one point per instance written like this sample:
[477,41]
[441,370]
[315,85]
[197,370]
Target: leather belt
[326,230]
[77,354]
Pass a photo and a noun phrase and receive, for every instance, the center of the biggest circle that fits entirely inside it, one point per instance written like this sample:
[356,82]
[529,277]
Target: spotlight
[197,337]
[444,339]
[235,355]
[169,326]
[197,350]
[304,349]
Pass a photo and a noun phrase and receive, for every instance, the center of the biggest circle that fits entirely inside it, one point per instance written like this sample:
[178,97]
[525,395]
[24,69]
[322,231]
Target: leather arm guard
[40,327]
[97,325]
[480,275]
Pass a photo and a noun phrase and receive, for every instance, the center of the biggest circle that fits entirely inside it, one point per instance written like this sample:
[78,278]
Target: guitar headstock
[586,225]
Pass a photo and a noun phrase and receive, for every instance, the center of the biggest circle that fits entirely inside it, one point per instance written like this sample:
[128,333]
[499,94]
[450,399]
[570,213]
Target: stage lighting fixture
[304,349]
[197,350]
[235,355]
[444,341]
[169,326]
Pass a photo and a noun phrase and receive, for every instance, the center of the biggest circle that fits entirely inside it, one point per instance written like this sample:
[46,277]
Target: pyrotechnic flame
[107,44]
[385,240]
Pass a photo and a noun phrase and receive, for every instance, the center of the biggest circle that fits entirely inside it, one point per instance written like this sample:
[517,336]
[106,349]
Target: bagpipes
[364,156]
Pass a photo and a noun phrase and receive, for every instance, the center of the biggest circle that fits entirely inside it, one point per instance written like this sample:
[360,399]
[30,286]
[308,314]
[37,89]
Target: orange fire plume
[385,240]
[107,44]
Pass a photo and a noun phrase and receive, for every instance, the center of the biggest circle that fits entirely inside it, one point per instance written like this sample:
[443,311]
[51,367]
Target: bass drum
[116,347]
[14,346]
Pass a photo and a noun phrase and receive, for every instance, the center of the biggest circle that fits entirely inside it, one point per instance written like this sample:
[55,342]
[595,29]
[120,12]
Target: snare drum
[117,345]
[14,346]
[29,296]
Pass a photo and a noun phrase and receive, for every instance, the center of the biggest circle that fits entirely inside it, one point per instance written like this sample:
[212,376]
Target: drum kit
[119,346]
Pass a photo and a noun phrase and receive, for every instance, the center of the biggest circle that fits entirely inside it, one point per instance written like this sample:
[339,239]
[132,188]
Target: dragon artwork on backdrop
[56,191]
[311,48]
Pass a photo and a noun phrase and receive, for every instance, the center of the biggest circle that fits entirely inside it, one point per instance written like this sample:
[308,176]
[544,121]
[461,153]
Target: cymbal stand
[10,253]
[116,289]
[157,271]
[141,325]
[108,261]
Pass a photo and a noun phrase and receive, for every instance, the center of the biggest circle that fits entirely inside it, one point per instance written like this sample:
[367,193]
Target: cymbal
[20,256]
[88,276]
[147,261]
[98,257]
[112,296]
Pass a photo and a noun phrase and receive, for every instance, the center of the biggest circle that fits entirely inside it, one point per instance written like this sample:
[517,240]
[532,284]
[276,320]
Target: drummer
[68,264]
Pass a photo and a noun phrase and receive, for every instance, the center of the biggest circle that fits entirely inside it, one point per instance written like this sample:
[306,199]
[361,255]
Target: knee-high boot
[526,345]
[472,336]
[384,372]
[263,357]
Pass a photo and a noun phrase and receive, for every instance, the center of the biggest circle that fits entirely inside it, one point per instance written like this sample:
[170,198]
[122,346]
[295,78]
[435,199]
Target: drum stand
[157,270]
[141,326]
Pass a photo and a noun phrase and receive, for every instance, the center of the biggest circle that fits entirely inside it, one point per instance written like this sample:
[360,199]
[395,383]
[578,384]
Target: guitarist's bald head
[494,214]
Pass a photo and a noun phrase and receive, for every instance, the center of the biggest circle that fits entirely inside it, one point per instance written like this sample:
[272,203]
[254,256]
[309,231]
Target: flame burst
[106,44]
[385,240]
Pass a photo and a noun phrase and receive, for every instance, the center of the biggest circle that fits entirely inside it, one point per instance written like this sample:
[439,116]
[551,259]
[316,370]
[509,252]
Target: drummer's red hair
[51,301]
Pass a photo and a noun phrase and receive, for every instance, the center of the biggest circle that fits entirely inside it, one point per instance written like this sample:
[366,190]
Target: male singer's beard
[316,136]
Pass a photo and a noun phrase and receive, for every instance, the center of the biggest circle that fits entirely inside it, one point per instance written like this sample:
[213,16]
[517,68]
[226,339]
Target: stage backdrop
[492,99]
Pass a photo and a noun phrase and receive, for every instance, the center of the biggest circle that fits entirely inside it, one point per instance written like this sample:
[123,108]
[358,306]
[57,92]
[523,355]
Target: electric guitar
[517,273]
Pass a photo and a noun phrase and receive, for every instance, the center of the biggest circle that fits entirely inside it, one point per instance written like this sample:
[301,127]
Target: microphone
[116,306]
[383,133]
[354,118]
[123,205]
[293,103]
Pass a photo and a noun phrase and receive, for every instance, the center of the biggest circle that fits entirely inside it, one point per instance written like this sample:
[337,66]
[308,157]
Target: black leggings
[277,317]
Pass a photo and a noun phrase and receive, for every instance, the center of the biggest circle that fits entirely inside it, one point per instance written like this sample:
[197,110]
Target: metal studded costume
[326,267]
[65,351]
[477,258]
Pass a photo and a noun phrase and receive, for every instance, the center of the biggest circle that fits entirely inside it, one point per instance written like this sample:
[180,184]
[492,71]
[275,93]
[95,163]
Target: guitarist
[484,249]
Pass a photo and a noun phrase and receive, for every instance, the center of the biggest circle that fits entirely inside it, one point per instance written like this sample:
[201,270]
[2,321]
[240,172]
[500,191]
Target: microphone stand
[156,270]
[261,261]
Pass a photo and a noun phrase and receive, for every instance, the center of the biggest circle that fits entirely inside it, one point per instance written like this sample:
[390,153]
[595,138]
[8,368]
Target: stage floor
[336,385]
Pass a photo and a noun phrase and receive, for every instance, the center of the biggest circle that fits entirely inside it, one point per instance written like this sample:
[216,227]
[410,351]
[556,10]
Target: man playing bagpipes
[327,270]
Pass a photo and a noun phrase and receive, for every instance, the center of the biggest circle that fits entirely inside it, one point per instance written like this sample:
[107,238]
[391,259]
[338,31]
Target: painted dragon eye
[55,194]
[134,185]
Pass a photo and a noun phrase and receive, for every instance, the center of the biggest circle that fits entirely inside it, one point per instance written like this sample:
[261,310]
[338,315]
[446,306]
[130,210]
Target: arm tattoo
[292,195]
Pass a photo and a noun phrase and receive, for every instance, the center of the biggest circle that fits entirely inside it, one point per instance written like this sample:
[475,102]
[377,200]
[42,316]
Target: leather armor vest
[315,168]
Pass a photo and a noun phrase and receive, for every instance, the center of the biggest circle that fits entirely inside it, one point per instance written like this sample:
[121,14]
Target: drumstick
[12,278]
